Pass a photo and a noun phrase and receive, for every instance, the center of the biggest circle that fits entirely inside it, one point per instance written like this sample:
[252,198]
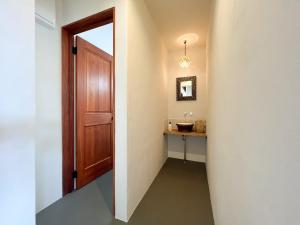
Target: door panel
[98,84]
[94,112]
[96,144]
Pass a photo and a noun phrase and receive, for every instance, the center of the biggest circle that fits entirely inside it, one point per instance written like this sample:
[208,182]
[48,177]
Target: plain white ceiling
[175,18]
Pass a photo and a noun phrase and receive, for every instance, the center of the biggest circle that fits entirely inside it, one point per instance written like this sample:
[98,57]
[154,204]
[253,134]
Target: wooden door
[95,112]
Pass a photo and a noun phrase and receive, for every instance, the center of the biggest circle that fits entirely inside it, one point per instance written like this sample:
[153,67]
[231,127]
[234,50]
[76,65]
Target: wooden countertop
[192,134]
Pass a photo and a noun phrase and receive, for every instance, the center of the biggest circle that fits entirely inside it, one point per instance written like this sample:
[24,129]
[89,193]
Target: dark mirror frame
[179,97]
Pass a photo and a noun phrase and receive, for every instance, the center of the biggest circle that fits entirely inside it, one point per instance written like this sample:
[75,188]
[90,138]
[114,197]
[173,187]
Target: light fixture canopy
[185,61]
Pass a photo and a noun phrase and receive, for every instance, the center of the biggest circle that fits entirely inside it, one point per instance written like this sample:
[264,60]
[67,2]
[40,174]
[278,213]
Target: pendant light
[184,61]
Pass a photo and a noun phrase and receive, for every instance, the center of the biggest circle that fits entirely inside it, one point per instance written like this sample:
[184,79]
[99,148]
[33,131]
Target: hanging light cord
[185,47]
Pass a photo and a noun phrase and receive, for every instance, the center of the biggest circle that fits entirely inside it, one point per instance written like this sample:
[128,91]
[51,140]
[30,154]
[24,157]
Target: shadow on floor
[178,196]
[91,205]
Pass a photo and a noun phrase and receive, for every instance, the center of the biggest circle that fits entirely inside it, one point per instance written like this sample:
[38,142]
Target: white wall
[196,147]
[147,102]
[45,12]
[48,113]
[17,113]
[254,108]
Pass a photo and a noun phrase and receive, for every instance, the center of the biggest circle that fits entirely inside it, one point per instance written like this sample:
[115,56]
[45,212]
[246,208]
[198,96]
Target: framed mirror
[186,88]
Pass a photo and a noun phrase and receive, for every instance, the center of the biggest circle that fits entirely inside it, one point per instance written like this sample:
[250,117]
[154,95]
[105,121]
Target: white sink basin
[185,124]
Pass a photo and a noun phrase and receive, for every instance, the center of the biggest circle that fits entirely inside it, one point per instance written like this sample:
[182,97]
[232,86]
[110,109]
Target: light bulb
[184,62]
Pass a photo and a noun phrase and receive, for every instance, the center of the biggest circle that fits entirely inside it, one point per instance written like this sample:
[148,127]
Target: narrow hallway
[212,82]
[179,195]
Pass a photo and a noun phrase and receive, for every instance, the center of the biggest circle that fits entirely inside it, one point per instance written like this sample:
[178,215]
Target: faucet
[187,114]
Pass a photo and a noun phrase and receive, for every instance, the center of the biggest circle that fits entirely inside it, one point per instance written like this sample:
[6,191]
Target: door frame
[68,31]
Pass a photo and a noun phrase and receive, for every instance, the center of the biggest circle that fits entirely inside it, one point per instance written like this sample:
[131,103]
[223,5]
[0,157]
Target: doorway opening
[88,101]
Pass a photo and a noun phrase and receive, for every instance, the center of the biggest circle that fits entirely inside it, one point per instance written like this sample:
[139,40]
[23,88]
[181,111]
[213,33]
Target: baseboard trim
[189,156]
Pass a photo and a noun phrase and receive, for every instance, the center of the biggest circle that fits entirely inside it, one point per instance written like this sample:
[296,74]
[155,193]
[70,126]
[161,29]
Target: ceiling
[101,37]
[175,18]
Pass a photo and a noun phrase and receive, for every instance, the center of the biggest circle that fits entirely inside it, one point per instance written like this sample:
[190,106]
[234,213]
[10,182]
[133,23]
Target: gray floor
[178,196]
[90,205]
